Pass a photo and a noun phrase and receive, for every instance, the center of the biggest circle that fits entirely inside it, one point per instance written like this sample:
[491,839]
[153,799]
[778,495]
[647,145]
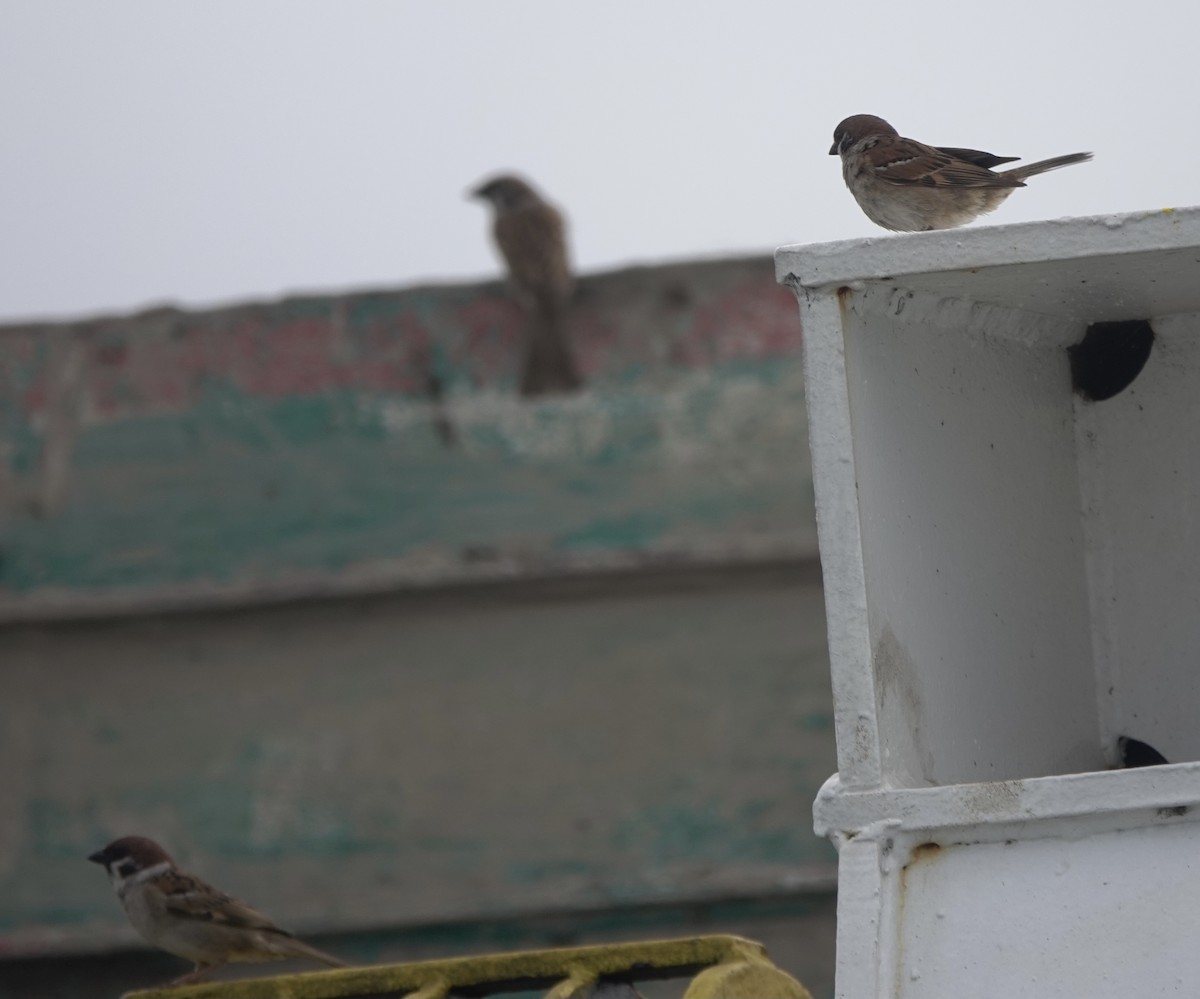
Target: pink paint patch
[757,319]
[405,343]
[492,328]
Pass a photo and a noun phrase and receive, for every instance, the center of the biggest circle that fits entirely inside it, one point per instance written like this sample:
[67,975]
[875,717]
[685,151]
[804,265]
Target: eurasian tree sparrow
[181,914]
[531,236]
[907,186]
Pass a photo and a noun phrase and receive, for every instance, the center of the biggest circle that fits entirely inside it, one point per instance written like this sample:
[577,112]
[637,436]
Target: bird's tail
[1041,166]
[548,364]
[298,948]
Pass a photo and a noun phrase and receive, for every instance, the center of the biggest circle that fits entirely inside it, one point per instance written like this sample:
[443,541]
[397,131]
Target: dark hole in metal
[1109,357]
[1135,753]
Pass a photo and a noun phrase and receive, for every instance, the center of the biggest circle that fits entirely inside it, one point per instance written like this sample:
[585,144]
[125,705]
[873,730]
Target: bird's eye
[126,868]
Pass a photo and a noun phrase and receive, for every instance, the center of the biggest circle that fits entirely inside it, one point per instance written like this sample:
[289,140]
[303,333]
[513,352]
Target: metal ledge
[1101,800]
[823,264]
[721,966]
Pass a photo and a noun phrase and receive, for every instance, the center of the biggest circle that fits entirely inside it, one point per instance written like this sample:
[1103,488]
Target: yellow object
[722,967]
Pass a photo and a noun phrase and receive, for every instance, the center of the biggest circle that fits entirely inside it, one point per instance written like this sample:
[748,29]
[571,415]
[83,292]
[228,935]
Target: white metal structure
[1009,522]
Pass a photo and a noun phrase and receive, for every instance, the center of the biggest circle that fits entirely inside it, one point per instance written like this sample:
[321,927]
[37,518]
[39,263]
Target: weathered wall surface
[627,708]
[363,441]
[392,761]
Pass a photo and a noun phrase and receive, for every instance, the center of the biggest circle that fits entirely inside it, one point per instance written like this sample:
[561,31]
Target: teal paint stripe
[246,488]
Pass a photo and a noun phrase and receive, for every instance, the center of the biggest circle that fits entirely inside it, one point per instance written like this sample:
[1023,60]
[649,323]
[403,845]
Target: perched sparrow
[531,236]
[181,914]
[908,186]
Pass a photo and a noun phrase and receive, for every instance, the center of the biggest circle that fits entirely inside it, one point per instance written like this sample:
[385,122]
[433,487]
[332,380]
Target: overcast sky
[202,151]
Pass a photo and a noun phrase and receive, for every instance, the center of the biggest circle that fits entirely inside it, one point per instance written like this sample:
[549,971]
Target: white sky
[202,151]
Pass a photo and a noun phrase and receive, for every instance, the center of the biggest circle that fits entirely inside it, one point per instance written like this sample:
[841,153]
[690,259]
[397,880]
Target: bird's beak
[99,857]
[833,150]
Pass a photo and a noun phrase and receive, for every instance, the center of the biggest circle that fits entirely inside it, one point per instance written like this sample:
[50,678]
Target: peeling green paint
[817,721]
[251,446]
[536,871]
[327,483]
[670,834]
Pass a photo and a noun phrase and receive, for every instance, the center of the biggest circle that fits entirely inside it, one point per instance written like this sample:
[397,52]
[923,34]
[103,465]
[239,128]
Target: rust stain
[921,851]
[845,295]
[900,704]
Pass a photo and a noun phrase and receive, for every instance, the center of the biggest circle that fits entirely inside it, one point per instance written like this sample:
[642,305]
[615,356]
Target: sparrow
[531,236]
[182,915]
[907,186]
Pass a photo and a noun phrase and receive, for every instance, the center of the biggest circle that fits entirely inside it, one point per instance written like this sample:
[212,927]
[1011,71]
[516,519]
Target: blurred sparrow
[531,236]
[908,186]
[181,914]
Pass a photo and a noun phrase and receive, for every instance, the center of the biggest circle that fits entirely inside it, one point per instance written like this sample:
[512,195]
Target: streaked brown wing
[977,156]
[534,246]
[911,163]
[193,899]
